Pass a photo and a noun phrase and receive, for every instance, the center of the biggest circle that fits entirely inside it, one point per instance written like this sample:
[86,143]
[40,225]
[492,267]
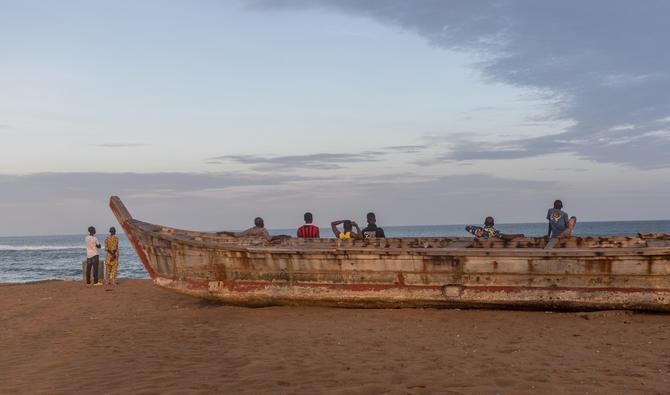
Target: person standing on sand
[308,231]
[372,231]
[558,220]
[347,232]
[92,257]
[112,259]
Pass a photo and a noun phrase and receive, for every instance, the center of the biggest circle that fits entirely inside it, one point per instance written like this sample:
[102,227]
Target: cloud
[407,149]
[62,203]
[320,161]
[38,187]
[604,63]
[119,145]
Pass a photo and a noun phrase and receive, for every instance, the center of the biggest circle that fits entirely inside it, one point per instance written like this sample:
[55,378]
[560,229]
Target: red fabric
[308,231]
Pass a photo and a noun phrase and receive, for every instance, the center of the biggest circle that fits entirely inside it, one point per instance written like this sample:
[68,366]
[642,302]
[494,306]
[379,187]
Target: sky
[205,114]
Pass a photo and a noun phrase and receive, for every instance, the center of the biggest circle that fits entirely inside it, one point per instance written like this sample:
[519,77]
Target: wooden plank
[658,243]
[460,244]
[551,243]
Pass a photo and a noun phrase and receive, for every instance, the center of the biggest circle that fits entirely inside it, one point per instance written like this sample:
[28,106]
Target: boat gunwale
[441,251]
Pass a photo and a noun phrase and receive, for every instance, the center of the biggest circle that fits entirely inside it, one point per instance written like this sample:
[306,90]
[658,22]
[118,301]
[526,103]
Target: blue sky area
[205,114]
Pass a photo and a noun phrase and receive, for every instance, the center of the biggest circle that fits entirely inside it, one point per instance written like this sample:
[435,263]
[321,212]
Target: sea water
[34,258]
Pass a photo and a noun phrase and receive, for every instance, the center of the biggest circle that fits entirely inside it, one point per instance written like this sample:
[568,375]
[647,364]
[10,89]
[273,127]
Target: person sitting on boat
[489,230]
[372,231]
[571,226]
[558,220]
[308,230]
[348,232]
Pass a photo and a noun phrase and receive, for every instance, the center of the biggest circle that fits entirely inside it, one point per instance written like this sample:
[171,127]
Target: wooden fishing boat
[577,273]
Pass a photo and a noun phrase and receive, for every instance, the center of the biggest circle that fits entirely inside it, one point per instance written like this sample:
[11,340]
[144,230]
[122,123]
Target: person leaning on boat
[258,230]
[558,220]
[489,230]
[308,230]
[347,232]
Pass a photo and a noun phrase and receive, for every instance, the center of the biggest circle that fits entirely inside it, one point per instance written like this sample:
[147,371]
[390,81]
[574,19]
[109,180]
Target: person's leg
[108,269]
[96,263]
[89,263]
[115,268]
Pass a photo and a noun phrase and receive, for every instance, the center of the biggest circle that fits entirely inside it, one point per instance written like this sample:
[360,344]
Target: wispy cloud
[321,161]
[604,63]
[407,149]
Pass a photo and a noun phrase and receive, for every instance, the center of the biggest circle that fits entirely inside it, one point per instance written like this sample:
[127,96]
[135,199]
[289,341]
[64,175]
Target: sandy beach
[59,337]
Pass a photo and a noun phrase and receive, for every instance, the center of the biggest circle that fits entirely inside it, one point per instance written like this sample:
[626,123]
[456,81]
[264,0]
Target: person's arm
[116,248]
[510,236]
[333,226]
[318,235]
[549,229]
[297,232]
[381,233]
[232,234]
[97,243]
[358,233]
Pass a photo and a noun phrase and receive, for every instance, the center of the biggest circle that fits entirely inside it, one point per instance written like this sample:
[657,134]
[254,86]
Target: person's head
[347,225]
[258,221]
[308,218]
[372,219]
[91,230]
[488,221]
[558,204]
[112,230]
[572,221]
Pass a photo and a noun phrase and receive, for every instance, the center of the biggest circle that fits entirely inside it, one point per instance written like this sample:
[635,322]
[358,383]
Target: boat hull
[618,273]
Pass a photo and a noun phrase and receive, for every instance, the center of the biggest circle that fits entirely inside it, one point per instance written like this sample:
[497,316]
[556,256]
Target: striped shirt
[308,231]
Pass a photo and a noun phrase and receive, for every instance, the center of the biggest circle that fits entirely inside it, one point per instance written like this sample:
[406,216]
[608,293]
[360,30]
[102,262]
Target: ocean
[35,258]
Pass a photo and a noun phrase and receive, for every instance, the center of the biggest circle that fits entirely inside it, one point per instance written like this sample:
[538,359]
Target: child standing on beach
[112,260]
[92,257]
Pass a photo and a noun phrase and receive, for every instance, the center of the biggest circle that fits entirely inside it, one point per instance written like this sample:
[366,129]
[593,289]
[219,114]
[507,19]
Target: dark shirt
[308,231]
[372,232]
[558,220]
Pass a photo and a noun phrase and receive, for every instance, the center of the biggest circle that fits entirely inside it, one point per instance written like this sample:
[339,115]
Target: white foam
[6,247]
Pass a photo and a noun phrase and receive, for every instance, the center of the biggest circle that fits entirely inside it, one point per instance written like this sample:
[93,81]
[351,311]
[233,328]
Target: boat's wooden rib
[630,272]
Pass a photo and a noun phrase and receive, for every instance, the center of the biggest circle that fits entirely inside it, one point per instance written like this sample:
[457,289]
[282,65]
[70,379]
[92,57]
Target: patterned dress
[484,232]
[112,260]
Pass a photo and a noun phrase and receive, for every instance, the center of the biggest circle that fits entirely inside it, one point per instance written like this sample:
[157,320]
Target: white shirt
[91,246]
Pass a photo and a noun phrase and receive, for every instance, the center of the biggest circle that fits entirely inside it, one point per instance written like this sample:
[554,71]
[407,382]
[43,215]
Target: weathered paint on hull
[265,294]
[626,274]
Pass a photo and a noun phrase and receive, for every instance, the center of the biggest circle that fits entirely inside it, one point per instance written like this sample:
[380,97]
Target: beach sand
[59,337]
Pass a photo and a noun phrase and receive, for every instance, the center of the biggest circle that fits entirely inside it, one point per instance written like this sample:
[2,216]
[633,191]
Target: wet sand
[59,337]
